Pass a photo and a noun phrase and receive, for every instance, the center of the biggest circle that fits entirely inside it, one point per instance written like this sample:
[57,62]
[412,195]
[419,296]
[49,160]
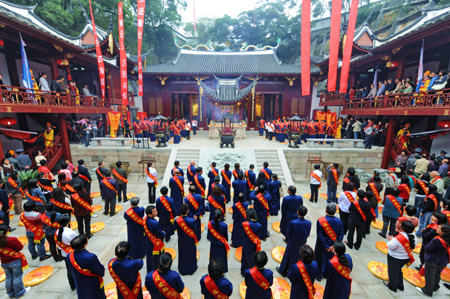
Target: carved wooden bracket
[201,78]
[291,80]
[163,79]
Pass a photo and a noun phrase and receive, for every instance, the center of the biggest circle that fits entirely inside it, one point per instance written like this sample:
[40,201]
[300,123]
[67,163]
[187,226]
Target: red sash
[396,204]
[215,204]
[358,207]
[405,243]
[70,188]
[114,171]
[224,174]
[151,176]
[344,271]
[446,213]
[135,217]
[306,279]
[67,248]
[167,206]
[86,272]
[12,183]
[434,199]
[424,187]
[122,287]
[47,221]
[372,211]
[189,170]
[235,174]
[375,191]
[435,179]
[314,175]
[83,176]
[250,186]
[213,289]
[214,171]
[37,230]
[346,180]
[265,173]
[34,198]
[406,188]
[17,255]
[109,185]
[48,188]
[189,231]
[335,176]
[251,235]
[82,203]
[218,236]
[165,288]
[179,184]
[413,178]
[264,202]
[100,173]
[259,278]
[327,228]
[199,186]
[393,178]
[193,202]
[158,244]
[349,196]
[241,209]
[61,205]
[445,245]
[433,226]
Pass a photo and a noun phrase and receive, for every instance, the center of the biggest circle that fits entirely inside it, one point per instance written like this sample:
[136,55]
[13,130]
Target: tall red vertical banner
[98,51]
[335,32]
[306,47]
[140,33]
[123,58]
[195,16]
[348,46]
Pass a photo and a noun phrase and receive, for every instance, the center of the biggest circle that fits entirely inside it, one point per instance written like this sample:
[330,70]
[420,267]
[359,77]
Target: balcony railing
[331,99]
[25,96]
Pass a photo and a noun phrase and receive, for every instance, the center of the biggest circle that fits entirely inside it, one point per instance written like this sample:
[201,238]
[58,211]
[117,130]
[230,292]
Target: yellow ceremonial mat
[307,195]
[380,210]
[230,228]
[323,195]
[319,291]
[337,209]
[202,227]
[2,274]
[276,226]
[96,227]
[186,294]
[230,210]
[11,216]
[412,276]
[172,252]
[23,240]
[95,194]
[378,269]
[382,246]
[131,195]
[111,291]
[96,208]
[251,207]
[47,246]
[118,208]
[417,248]
[73,225]
[277,253]
[238,254]
[281,289]
[198,255]
[37,276]
[445,274]
[20,223]
[378,224]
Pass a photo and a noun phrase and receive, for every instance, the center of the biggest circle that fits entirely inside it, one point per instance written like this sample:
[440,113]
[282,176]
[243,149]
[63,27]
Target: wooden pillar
[389,141]
[105,124]
[401,68]
[276,112]
[54,72]
[11,63]
[64,137]
[2,153]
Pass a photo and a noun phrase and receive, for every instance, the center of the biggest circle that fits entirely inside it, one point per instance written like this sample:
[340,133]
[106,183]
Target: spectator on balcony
[422,86]
[390,86]
[433,79]
[57,84]
[398,86]
[43,84]
[381,88]
[86,91]
[7,167]
[1,82]
[373,92]
[441,81]
[408,87]
[364,92]
[352,93]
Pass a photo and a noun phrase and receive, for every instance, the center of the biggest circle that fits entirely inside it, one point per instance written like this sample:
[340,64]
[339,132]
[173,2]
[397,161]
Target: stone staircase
[185,156]
[272,157]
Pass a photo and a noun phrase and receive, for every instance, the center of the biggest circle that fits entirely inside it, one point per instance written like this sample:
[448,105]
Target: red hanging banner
[140,33]
[306,47]
[348,45]
[98,51]
[123,58]
[335,32]
[195,18]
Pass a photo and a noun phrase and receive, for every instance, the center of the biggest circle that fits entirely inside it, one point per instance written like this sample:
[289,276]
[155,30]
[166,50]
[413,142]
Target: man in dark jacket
[100,172]
[108,189]
[84,175]
[55,85]
[332,182]
[359,212]
[351,177]
[120,175]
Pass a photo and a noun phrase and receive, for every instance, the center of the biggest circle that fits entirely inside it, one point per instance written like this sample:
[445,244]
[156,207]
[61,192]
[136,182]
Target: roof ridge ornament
[245,46]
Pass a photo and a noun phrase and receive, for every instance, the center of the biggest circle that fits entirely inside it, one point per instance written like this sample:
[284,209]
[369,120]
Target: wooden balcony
[335,99]
[431,103]
[23,100]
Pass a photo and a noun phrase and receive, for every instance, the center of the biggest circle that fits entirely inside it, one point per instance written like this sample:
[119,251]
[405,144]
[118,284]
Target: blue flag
[375,78]
[26,74]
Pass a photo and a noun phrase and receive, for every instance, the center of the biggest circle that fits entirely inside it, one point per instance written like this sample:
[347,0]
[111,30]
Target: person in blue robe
[237,235]
[250,177]
[155,228]
[248,247]
[261,210]
[253,289]
[337,287]
[268,171]
[151,131]
[126,268]
[135,231]
[175,191]
[87,286]
[217,249]
[239,186]
[164,214]
[201,182]
[191,172]
[237,170]
[212,176]
[194,213]
[176,165]
[225,183]
[297,234]
[187,249]
[324,244]
[289,208]
[298,286]
[274,191]
[219,198]
[171,277]
[215,272]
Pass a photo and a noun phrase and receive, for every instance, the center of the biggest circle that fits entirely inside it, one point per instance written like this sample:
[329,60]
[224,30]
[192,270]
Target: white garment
[188,126]
[313,180]
[270,128]
[344,202]
[194,123]
[67,236]
[44,84]
[396,249]
[153,172]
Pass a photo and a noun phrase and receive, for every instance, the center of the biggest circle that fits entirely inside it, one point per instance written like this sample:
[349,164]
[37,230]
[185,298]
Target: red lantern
[2,43]
[59,61]
[8,121]
[444,124]
[392,64]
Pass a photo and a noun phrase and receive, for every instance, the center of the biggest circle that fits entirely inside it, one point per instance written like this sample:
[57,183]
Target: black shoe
[310,200]
[90,236]
[34,257]
[125,200]
[447,285]
[47,256]
[167,239]
[11,229]
[113,215]
[105,213]
[120,200]
[282,274]
[419,267]
[383,236]
[73,288]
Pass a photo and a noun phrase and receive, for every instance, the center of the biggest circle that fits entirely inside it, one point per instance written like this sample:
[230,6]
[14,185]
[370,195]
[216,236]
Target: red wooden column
[401,68]
[64,137]
[2,153]
[54,68]
[389,141]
